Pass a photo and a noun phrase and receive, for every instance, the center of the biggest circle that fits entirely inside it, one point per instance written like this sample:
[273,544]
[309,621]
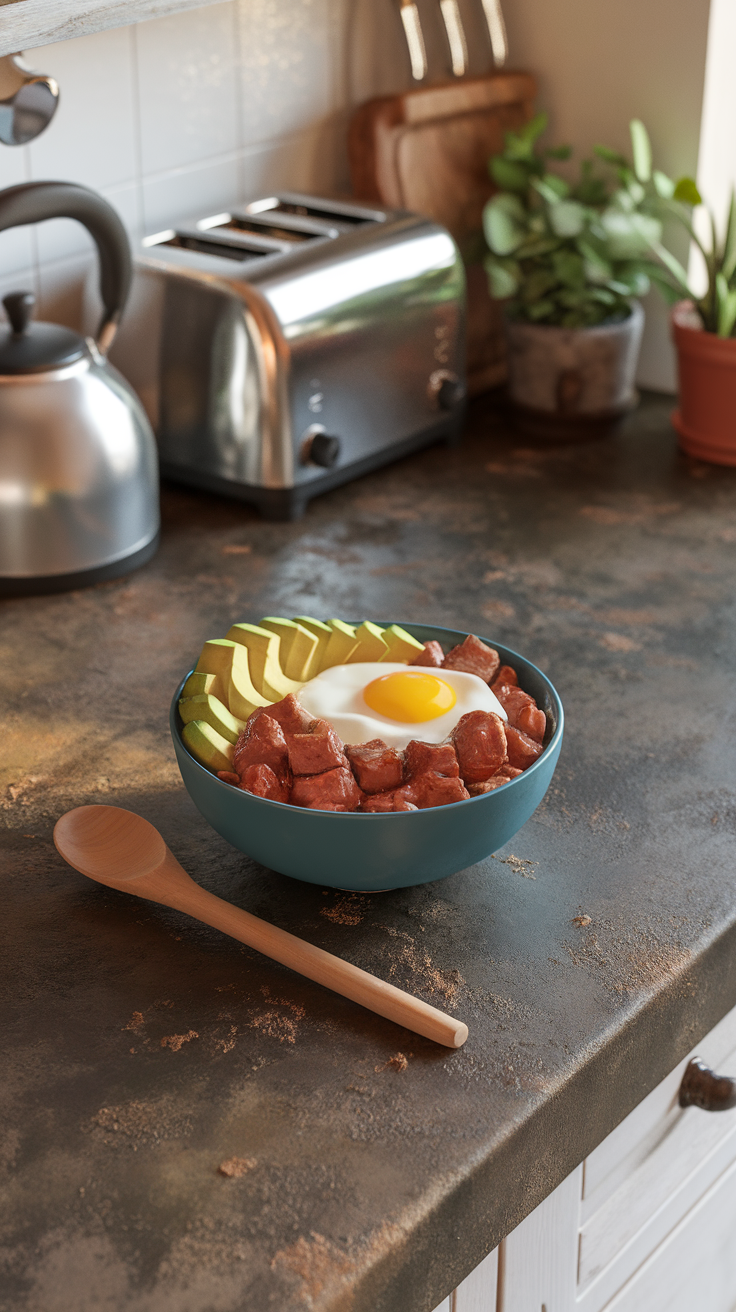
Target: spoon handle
[171,885]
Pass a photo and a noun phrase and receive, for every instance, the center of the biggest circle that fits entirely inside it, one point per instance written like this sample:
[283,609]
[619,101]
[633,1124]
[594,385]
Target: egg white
[336,695]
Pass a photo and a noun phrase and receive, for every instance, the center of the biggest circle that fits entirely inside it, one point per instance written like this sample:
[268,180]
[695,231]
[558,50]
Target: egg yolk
[409,697]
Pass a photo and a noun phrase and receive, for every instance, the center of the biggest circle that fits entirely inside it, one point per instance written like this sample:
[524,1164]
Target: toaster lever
[320,448]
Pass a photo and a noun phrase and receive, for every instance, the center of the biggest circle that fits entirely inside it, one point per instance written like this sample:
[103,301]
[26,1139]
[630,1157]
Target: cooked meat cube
[508,771]
[505,675]
[432,655]
[512,699]
[228,777]
[336,787]
[390,801]
[480,743]
[261,780]
[432,789]
[262,742]
[489,785]
[473,657]
[532,722]
[377,767]
[522,750]
[421,757]
[290,714]
[315,751]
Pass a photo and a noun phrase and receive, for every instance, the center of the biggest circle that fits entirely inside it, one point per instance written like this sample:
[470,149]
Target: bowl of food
[364,757]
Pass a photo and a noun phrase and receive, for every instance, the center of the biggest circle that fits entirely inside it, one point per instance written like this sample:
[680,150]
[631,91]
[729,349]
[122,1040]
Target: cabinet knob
[701,1087]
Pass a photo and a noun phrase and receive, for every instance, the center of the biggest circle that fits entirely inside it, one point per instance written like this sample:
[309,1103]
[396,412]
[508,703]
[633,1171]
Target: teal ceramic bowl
[368,853]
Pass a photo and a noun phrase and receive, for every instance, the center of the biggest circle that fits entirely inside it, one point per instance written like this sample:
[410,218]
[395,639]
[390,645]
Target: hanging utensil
[28,101]
[414,39]
[455,36]
[496,31]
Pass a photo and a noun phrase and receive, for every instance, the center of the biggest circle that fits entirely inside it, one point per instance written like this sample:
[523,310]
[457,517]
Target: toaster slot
[227,250]
[347,216]
[286,228]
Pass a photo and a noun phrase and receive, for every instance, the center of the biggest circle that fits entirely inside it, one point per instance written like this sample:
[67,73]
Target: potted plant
[704,327]
[569,260]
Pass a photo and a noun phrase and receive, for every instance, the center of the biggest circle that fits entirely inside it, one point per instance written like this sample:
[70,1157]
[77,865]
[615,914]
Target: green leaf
[664,286]
[636,191]
[663,185]
[687,192]
[503,281]
[569,269]
[629,236]
[567,218]
[611,156]
[558,152]
[591,190]
[504,224]
[508,174]
[729,244]
[550,188]
[674,268]
[641,150]
[520,144]
[726,306]
[541,310]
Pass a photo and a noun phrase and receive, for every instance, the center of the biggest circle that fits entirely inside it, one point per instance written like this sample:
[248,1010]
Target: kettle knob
[19,307]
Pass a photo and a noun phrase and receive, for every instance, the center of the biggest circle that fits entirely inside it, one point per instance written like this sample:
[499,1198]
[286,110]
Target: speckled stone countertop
[142,1053]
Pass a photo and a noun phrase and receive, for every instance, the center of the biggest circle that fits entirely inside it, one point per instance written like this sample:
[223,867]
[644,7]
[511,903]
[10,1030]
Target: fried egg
[395,702]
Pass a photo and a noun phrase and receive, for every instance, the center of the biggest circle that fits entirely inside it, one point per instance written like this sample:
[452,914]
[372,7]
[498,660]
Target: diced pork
[262,782]
[420,757]
[480,742]
[432,655]
[377,767]
[336,787]
[315,751]
[533,722]
[522,750]
[262,742]
[505,675]
[432,789]
[290,714]
[389,801]
[473,657]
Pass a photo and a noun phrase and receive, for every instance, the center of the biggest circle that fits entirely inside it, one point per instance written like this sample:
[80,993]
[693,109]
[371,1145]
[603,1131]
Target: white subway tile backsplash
[91,138]
[187,87]
[181,115]
[188,193]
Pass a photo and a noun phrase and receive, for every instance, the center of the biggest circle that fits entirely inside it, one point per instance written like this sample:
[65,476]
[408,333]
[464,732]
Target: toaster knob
[450,393]
[324,450]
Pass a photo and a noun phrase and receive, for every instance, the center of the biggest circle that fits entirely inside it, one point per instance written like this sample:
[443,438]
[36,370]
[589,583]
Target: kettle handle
[32,202]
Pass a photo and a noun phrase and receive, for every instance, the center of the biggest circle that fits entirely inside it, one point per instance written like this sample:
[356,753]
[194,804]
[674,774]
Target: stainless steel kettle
[78,464]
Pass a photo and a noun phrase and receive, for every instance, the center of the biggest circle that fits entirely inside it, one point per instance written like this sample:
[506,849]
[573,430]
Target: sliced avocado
[208,745]
[210,709]
[263,660]
[297,648]
[199,682]
[401,645]
[340,645]
[229,660]
[371,644]
[322,632]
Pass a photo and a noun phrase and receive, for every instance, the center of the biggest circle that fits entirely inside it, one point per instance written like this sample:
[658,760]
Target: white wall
[197,110]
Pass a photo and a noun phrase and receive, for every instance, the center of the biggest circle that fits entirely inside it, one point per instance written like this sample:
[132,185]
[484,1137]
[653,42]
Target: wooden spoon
[121,849]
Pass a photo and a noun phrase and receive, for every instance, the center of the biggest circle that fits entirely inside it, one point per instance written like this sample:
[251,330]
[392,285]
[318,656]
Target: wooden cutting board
[427,150]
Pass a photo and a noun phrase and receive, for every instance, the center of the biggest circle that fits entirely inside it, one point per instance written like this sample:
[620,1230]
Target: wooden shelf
[29,23]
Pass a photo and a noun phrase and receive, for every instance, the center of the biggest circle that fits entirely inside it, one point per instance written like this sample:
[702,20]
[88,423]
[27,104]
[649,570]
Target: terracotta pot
[706,364]
[573,383]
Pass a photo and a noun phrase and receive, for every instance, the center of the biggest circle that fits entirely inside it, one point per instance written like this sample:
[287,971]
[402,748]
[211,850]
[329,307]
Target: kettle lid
[32,348]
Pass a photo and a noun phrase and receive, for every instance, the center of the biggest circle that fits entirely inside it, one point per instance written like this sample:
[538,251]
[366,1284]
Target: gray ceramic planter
[572,383]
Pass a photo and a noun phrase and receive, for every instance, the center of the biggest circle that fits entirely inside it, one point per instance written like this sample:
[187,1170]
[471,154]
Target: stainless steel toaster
[293,343]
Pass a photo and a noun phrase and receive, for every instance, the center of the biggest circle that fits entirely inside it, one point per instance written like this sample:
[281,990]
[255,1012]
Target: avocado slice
[208,745]
[199,682]
[371,644]
[340,645]
[297,647]
[401,645]
[322,632]
[263,660]
[204,706]
[229,660]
